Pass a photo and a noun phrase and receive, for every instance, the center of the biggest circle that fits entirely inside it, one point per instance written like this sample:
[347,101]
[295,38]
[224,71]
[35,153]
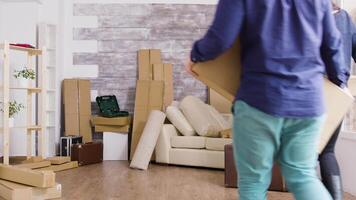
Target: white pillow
[179,121]
[220,121]
[199,116]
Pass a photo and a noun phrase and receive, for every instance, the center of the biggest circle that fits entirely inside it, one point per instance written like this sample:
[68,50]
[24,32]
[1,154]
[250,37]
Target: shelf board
[31,128]
[33,90]
[28,50]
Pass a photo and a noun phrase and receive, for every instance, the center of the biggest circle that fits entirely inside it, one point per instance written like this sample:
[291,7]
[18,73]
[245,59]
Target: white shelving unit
[39,89]
[47,36]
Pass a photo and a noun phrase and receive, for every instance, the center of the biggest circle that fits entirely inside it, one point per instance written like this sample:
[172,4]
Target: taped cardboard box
[146,58]
[224,73]
[77,108]
[115,129]
[115,121]
[149,96]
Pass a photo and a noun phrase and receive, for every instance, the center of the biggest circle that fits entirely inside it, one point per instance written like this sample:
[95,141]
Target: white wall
[18,22]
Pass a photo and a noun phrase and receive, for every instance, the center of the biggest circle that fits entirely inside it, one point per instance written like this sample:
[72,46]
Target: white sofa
[172,148]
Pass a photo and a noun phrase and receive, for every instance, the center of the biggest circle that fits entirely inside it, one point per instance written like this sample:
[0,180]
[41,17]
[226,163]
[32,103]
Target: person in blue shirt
[329,168]
[286,48]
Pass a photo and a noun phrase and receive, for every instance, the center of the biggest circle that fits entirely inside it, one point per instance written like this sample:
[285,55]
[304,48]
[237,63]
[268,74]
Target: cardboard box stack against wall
[154,90]
[77,108]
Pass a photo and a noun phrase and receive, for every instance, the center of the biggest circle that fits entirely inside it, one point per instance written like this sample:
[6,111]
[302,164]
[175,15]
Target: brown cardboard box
[146,58]
[223,75]
[84,110]
[164,72]
[114,121]
[27,176]
[219,102]
[109,128]
[77,108]
[149,96]
[71,107]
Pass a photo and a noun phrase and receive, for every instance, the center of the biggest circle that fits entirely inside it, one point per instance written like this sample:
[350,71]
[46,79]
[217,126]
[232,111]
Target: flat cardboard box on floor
[14,191]
[224,73]
[114,121]
[149,96]
[146,58]
[77,108]
[108,128]
[30,177]
[58,160]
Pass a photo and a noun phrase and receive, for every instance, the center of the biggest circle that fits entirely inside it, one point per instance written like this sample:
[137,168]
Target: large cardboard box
[219,102]
[223,75]
[71,107]
[149,96]
[164,72]
[77,108]
[115,146]
[84,110]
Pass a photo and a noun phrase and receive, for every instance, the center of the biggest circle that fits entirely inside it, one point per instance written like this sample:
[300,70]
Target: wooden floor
[114,180]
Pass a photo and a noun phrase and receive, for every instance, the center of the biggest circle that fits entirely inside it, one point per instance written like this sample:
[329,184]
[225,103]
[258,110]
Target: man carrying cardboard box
[286,48]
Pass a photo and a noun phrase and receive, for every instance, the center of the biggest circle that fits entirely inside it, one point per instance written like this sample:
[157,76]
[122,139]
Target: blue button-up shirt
[286,48]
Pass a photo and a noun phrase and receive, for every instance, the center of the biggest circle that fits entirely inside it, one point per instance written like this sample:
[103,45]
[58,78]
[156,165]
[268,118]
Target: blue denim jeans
[261,139]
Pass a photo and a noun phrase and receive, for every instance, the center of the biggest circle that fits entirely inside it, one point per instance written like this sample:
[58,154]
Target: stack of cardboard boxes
[154,90]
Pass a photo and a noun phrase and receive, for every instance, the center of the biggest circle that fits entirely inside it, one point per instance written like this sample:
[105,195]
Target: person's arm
[331,49]
[223,32]
[354,47]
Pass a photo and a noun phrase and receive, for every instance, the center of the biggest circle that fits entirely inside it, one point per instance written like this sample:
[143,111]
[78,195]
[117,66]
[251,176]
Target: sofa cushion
[217,144]
[197,114]
[179,121]
[197,158]
[190,142]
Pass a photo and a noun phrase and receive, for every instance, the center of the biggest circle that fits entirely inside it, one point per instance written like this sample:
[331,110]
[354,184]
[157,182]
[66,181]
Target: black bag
[109,107]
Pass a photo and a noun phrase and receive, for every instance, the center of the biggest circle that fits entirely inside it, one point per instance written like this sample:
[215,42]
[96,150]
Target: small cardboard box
[109,128]
[114,121]
[224,73]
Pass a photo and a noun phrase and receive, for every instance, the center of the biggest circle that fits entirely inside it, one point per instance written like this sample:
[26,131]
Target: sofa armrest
[164,143]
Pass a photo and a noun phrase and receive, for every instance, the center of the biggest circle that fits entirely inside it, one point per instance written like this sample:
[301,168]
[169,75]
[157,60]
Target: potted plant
[14,108]
[24,76]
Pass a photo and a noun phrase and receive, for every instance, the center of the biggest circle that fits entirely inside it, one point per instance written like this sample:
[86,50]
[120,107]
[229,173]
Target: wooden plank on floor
[62,167]
[33,159]
[47,193]
[35,165]
[27,176]
[14,191]
[58,160]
